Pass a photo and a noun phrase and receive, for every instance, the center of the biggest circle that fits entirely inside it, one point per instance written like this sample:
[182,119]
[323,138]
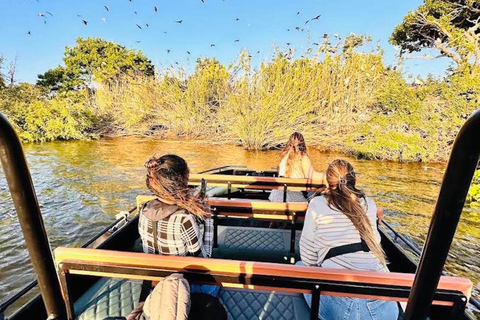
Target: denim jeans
[343,308]
[204,288]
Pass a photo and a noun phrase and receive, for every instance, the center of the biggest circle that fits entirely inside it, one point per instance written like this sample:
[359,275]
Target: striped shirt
[170,230]
[326,228]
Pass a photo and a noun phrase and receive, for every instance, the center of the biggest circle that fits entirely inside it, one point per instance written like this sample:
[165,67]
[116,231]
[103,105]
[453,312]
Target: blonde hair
[342,195]
[167,178]
[295,149]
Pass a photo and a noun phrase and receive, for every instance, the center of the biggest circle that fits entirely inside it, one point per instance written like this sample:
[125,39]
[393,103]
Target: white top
[301,170]
[325,228]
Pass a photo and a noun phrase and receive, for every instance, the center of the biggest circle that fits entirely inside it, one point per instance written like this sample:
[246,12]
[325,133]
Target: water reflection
[81,185]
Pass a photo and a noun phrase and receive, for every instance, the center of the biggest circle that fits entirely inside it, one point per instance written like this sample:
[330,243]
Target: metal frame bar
[451,199]
[30,217]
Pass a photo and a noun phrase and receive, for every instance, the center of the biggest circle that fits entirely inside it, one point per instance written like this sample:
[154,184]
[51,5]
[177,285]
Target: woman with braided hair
[295,163]
[340,231]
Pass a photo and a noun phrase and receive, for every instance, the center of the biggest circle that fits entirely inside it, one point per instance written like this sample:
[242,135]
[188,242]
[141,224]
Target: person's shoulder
[318,201]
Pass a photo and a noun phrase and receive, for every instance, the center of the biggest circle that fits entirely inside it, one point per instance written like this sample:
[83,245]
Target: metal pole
[456,182]
[30,217]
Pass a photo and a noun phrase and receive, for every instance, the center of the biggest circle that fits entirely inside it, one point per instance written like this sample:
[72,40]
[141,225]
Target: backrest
[250,275]
[255,182]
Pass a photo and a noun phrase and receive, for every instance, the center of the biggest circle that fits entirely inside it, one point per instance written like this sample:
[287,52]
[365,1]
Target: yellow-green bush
[39,119]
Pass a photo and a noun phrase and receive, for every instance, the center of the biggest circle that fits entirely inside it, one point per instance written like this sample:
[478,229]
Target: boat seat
[118,297]
[255,244]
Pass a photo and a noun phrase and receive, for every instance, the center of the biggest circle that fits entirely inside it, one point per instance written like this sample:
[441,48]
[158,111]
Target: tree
[451,26]
[56,79]
[95,59]
[2,80]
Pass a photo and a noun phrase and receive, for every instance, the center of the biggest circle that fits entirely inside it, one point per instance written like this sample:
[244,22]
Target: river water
[81,185]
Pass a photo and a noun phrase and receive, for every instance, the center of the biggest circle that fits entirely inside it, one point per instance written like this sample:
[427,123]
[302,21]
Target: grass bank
[340,97]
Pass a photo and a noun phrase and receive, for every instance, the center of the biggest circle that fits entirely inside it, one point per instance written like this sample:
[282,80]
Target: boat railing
[451,291]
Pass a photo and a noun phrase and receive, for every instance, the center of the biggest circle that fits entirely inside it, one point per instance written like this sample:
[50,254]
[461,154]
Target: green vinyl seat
[110,297]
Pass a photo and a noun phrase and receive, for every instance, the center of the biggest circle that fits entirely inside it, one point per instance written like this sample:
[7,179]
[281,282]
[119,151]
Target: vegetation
[473,197]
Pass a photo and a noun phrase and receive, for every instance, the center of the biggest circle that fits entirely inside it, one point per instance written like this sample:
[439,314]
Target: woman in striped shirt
[340,232]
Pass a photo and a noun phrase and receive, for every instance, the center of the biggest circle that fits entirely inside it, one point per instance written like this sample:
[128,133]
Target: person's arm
[311,173]
[379,215]
[308,247]
[208,238]
[191,235]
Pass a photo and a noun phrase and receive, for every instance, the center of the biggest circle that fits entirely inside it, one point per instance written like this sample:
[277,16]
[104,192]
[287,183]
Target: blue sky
[261,25]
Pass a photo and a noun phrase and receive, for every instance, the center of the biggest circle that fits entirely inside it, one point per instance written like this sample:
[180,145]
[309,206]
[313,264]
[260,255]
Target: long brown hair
[167,178]
[342,195]
[295,149]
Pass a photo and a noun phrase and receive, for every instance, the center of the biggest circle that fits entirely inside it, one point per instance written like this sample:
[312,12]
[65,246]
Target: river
[81,185]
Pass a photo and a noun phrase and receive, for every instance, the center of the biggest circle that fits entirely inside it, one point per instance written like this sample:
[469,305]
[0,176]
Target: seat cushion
[243,304]
[108,297]
[254,244]
[118,297]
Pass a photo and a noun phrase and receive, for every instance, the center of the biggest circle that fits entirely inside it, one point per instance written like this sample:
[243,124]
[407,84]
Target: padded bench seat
[255,244]
[118,297]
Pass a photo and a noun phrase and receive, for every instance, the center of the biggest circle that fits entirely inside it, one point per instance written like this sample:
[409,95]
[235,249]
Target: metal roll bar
[451,199]
[30,217]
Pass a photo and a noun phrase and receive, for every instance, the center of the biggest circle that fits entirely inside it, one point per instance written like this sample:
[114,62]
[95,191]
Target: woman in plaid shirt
[177,222]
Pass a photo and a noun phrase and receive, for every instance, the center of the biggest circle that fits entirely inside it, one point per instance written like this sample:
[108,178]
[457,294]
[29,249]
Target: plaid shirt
[180,234]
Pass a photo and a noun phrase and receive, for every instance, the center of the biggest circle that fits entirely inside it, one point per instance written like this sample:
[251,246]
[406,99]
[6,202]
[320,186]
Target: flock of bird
[48,15]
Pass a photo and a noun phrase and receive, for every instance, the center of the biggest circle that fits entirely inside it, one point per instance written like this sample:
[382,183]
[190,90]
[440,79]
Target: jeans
[343,308]
[204,288]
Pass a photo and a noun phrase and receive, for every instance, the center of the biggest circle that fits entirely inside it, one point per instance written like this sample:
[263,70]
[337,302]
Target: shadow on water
[82,184]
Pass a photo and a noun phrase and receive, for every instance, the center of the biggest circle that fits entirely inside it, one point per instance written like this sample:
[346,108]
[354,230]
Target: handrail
[195,179]
[451,199]
[30,217]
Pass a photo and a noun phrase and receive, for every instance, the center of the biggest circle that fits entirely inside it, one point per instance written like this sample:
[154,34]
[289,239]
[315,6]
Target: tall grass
[341,98]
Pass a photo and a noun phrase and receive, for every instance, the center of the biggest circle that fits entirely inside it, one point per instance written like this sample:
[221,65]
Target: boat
[252,260]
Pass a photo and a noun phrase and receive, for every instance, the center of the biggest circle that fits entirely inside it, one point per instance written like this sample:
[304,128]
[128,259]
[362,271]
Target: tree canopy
[95,60]
[451,26]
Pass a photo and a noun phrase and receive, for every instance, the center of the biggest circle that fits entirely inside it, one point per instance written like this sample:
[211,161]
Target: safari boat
[252,261]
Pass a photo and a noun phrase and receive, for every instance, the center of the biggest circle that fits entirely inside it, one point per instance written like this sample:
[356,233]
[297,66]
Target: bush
[39,119]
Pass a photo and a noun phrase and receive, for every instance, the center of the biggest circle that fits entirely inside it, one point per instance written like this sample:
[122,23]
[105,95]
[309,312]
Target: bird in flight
[212,45]
[288,43]
[155,9]
[178,21]
[237,19]
[315,44]
[135,12]
[237,40]
[139,27]
[168,50]
[106,8]
[188,52]
[85,22]
[147,25]
[29,33]
[138,41]
[314,18]
[298,13]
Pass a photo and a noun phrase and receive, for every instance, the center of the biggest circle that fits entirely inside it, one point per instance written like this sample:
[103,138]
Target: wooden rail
[256,182]
[250,275]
